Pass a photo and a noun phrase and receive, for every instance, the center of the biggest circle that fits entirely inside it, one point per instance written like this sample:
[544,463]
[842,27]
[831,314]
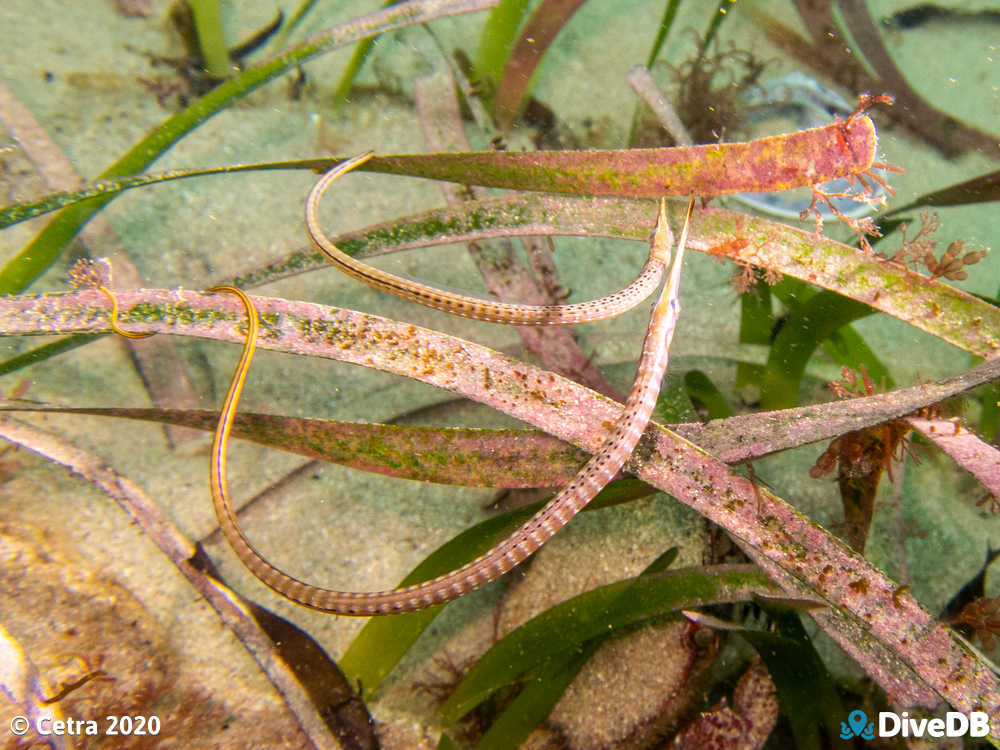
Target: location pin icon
[857,720]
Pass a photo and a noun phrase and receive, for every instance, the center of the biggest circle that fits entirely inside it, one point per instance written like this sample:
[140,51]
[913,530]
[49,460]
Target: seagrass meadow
[798,533]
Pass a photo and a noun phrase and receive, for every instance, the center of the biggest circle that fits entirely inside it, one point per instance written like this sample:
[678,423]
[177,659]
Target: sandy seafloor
[68,63]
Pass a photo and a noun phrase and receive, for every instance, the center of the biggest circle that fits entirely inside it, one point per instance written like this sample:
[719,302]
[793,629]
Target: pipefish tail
[474,307]
[113,317]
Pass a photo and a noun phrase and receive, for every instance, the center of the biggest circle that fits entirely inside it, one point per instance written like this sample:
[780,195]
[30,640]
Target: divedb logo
[890,724]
